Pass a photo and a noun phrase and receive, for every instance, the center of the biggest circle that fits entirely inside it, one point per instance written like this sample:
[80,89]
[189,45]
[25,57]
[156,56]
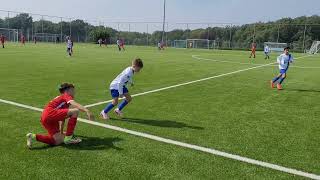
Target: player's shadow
[304,90]
[159,123]
[95,143]
[89,143]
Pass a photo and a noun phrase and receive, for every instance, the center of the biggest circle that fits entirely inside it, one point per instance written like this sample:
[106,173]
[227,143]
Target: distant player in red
[106,42]
[2,39]
[23,39]
[122,44]
[54,115]
[253,50]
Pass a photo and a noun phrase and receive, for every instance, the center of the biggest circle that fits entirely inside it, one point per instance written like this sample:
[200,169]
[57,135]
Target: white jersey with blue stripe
[266,49]
[69,44]
[122,80]
[284,60]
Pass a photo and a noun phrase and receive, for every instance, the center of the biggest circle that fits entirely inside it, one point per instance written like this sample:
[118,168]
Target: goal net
[315,47]
[195,43]
[47,37]
[10,34]
[275,47]
[198,43]
[180,44]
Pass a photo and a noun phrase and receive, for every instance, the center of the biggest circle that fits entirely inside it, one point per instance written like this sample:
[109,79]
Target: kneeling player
[118,89]
[284,61]
[54,115]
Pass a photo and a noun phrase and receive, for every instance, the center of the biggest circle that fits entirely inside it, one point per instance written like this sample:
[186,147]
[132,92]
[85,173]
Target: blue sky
[235,11]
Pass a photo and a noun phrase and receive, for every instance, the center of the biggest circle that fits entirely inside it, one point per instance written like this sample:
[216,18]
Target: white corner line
[185,145]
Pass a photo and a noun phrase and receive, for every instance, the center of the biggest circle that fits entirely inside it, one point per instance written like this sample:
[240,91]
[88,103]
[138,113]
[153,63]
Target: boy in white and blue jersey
[118,89]
[284,61]
[69,46]
[267,52]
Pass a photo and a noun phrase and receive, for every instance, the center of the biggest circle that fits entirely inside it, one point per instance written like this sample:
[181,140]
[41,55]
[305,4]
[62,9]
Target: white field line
[186,145]
[232,62]
[186,83]
[195,81]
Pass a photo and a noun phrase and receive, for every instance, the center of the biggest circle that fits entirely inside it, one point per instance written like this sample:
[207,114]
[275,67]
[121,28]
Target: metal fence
[225,35]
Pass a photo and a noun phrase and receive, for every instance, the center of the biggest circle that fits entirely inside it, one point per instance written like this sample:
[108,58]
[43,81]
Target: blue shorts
[115,93]
[283,71]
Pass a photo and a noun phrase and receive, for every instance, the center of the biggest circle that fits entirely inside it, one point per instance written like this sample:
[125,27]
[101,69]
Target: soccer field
[216,100]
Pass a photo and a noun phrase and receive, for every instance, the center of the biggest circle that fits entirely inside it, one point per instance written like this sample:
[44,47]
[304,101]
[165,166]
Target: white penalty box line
[185,145]
[195,81]
[186,83]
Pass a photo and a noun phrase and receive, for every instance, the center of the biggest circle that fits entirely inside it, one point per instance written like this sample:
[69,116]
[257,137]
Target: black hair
[287,48]
[64,87]
[138,62]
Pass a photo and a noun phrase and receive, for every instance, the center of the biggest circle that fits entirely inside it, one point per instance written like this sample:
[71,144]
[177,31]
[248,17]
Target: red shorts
[50,119]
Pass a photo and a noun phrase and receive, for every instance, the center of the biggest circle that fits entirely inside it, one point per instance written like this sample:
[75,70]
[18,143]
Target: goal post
[315,47]
[11,35]
[194,44]
[198,43]
[180,43]
[47,37]
[275,47]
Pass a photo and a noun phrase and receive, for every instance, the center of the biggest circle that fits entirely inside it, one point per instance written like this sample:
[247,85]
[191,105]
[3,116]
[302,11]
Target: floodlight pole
[278,33]
[230,37]
[304,37]
[164,19]
[61,29]
[9,23]
[70,28]
[42,24]
[147,34]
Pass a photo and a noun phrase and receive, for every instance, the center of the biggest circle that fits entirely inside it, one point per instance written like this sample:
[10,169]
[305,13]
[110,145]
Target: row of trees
[299,32]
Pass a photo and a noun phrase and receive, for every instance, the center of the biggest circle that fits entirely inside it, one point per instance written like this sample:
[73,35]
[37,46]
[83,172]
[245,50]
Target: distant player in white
[267,52]
[100,42]
[284,61]
[118,89]
[119,44]
[69,46]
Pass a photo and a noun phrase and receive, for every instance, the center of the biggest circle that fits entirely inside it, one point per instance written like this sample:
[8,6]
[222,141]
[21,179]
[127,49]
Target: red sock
[71,126]
[45,139]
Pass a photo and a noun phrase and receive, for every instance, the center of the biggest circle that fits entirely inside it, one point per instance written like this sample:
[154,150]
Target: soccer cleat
[271,84]
[29,140]
[72,140]
[279,87]
[118,112]
[104,115]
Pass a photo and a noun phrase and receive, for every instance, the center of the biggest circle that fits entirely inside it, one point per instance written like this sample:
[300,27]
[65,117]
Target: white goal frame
[275,46]
[315,47]
[15,34]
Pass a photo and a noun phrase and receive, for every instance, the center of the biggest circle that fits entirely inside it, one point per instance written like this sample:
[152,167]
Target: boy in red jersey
[2,38]
[253,50]
[23,39]
[122,44]
[54,115]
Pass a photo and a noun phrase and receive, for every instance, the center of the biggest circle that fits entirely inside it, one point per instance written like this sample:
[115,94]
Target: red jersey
[2,39]
[60,102]
[253,46]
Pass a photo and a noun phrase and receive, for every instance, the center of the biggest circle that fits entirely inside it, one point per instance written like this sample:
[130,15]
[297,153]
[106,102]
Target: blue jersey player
[284,61]
[118,89]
